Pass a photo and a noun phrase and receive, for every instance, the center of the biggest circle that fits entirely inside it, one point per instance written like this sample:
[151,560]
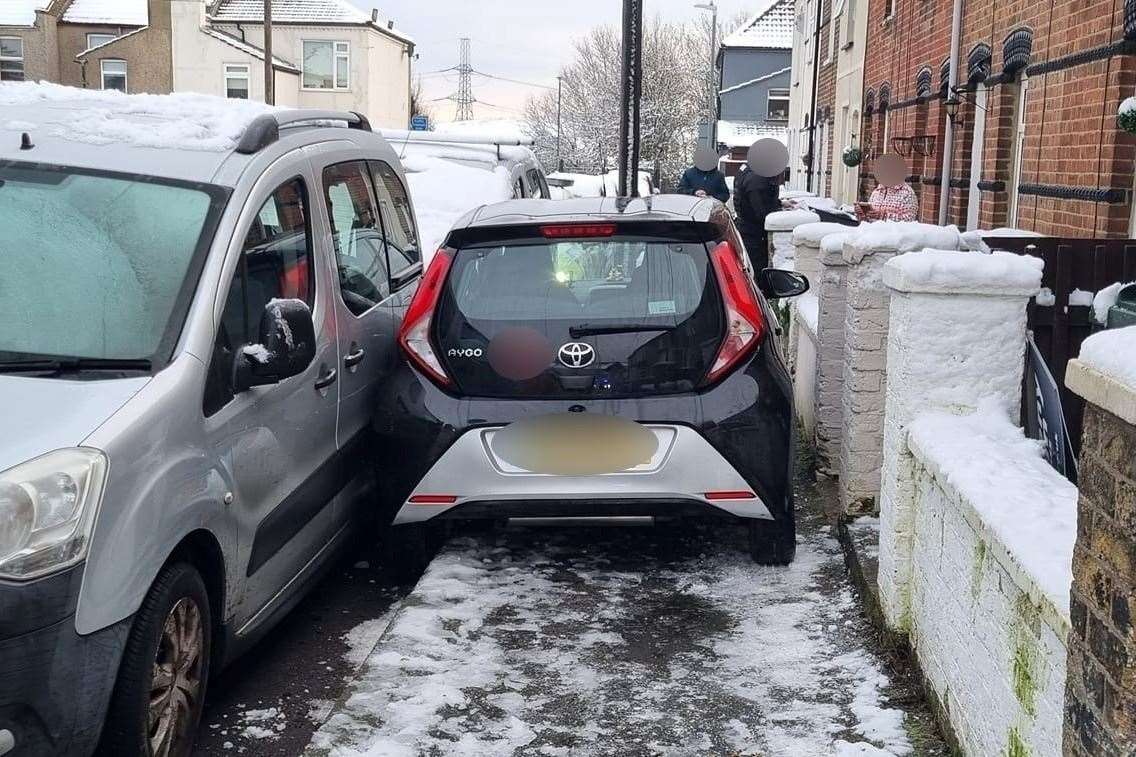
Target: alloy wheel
[176,685]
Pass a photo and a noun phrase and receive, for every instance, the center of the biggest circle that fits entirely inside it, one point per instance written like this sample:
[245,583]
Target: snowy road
[628,641]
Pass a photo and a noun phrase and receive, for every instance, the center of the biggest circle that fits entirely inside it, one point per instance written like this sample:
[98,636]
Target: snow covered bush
[1126,116]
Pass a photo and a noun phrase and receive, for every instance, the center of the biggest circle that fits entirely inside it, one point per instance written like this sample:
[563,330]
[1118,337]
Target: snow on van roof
[20,12]
[182,121]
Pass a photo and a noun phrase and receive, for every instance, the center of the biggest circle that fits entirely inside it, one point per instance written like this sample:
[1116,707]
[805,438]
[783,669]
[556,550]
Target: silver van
[191,343]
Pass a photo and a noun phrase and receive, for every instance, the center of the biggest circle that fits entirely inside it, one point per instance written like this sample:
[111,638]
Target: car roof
[590,209]
[186,137]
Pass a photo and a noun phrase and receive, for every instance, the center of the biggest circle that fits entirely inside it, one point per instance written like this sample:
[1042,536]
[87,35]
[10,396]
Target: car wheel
[408,549]
[160,690]
[772,542]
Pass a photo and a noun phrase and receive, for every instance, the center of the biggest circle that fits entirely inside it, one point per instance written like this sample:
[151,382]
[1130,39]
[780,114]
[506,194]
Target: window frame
[369,175]
[111,38]
[403,277]
[125,75]
[240,268]
[768,100]
[21,59]
[226,74]
[336,55]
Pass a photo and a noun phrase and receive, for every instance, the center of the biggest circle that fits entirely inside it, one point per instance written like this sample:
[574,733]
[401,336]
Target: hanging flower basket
[852,156]
[1126,116]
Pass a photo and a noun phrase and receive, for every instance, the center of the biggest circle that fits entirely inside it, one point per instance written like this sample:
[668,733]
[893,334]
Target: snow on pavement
[652,641]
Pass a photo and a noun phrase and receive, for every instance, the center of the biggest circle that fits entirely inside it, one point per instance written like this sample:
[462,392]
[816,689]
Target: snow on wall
[991,571]
[787,220]
[1113,354]
[958,272]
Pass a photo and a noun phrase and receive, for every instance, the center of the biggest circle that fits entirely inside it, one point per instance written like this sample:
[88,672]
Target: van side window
[539,185]
[357,236]
[276,263]
[403,249]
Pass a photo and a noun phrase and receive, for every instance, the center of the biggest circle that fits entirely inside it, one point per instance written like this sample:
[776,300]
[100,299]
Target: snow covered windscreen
[615,316]
[98,265]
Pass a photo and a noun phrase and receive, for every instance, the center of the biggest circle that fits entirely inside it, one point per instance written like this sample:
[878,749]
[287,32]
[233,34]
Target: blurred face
[768,157]
[891,170]
[705,159]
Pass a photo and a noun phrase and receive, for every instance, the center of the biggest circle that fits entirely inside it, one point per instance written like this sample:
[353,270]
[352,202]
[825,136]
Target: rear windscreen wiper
[592,329]
[74,364]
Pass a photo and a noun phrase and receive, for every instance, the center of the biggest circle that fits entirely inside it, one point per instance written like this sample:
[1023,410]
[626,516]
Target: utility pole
[559,87]
[464,97]
[712,124]
[631,92]
[269,71]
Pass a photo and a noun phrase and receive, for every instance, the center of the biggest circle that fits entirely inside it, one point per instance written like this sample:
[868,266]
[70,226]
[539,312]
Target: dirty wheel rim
[175,684]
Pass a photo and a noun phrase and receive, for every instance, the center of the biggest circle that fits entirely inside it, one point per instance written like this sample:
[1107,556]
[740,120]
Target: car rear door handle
[354,357]
[326,379]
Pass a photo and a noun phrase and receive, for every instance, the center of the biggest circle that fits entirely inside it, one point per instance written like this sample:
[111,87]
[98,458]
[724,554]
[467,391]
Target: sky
[527,40]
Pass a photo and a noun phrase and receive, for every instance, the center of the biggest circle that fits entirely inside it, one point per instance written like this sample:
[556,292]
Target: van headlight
[47,509]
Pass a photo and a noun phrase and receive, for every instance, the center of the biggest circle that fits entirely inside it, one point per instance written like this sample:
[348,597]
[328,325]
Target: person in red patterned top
[893,199]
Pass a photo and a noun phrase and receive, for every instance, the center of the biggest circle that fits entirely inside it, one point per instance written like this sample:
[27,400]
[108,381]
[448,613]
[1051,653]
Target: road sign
[419,123]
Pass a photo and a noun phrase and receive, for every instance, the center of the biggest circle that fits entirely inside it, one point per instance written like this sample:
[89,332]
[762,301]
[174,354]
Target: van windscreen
[594,317]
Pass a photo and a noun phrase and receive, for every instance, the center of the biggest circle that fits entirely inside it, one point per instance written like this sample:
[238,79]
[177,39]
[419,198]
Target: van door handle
[355,356]
[326,379]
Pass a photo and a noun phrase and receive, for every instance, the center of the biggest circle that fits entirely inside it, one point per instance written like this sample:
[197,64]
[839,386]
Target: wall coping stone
[1104,391]
[964,272]
[787,220]
[812,234]
[899,236]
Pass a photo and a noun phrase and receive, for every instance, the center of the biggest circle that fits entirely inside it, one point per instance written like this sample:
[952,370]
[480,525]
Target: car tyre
[772,542]
[156,705]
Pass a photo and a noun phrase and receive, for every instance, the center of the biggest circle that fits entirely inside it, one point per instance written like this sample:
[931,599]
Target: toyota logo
[577,355]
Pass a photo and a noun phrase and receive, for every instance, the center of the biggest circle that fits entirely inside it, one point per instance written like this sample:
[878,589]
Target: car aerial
[595,358]
[200,305]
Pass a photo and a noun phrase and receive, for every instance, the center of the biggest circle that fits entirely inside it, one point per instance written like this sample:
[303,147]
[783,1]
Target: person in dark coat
[756,191]
[703,179]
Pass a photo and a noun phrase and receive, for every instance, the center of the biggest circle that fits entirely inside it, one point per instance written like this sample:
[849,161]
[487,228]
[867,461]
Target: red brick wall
[1071,135]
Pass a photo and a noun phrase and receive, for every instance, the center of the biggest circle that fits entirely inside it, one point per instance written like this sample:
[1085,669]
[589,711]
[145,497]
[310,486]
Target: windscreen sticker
[661,307]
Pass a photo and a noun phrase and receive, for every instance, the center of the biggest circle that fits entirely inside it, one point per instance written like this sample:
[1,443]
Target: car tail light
[414,334]
[745,325]
[559,231]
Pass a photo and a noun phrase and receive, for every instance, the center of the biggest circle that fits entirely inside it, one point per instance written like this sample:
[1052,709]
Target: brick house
[1035,141]
[814,143]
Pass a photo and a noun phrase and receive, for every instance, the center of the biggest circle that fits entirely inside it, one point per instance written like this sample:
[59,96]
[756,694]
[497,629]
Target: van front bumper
[54,683]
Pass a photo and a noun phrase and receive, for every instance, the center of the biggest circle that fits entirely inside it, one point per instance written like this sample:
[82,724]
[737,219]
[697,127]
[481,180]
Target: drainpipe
[948,141]
[813,102]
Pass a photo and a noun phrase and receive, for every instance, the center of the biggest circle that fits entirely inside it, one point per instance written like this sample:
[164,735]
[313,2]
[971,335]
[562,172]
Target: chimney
[374,15]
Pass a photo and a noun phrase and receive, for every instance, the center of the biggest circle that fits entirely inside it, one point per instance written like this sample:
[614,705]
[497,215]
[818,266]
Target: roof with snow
[20,12]
[120,12]
[257,52]
[758,80]
[771,28]
[313,12]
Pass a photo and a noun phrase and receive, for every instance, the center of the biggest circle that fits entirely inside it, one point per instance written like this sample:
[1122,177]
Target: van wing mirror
[287,346]
[777,284]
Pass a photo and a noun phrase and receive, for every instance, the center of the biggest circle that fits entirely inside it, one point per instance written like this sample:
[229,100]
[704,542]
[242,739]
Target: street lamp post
[712,123]
[269,71]
[559,87]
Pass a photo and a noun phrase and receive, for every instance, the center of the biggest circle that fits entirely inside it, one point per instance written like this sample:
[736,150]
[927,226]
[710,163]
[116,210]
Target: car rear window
[614,316]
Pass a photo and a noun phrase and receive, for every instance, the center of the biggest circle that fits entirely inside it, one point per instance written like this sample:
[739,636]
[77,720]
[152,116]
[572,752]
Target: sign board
[419,123]
[1045,418]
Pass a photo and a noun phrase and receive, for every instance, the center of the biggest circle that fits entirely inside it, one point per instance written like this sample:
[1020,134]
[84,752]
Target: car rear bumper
[738,434]
[54,683]
[685,469]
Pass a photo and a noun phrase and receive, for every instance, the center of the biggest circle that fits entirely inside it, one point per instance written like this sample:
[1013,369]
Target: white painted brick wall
[991,647]
[829,409]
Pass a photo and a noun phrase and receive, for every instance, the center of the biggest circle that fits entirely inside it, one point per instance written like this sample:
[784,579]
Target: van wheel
[160,690]
[772,542]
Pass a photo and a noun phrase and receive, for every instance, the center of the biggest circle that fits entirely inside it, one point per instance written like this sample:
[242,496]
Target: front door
[275,443]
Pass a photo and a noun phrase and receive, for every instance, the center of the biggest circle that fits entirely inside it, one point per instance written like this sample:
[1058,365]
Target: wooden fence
[1087,265]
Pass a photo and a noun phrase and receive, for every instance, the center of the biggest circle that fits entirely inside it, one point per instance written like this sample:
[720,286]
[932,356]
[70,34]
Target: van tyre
[158,696]
[772,542]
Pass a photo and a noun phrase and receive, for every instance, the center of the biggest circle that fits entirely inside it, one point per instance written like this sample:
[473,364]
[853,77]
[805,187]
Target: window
[536,178]
[889,9]
[357,236]
[327,65]
[403,250]
[95,39]
[114,74]
[778,105]
[11,59]
[276,263]
[237,81]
